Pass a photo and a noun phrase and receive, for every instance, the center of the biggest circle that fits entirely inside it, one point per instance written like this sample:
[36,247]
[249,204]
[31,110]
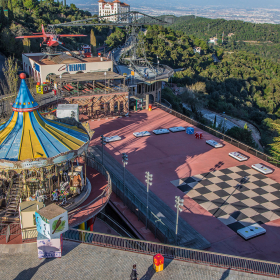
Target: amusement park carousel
[39,156]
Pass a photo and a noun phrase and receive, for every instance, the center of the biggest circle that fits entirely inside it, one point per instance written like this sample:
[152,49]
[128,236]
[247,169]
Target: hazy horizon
[248,4]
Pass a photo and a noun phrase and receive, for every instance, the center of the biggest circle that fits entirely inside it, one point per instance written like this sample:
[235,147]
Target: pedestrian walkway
[81,261]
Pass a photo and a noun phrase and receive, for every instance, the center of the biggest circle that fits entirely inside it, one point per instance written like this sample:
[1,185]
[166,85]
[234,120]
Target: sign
[76,67]
[132,73]
[45,89]
[37,67]
[49,248]
[39,89]
[62,68]
[51,228]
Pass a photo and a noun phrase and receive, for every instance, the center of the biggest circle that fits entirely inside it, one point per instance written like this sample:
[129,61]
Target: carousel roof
[27,135]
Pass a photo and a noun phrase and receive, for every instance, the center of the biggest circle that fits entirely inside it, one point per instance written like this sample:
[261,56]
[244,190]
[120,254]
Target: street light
[178,204]
[125,162]
[149,179]
[157,64]
[103,143]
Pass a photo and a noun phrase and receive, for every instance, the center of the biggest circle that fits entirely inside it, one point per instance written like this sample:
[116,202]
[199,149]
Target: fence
[29,235]
[104,196]
[175,252]
[156,226]
[220,135]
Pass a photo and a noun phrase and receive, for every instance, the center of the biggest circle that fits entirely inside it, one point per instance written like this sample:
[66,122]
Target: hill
[205,28]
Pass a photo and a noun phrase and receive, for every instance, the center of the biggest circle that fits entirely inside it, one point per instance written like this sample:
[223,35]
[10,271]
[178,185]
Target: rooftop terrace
[174,156]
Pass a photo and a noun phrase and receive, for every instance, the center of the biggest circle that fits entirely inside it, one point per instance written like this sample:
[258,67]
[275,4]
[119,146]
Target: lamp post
[105,73]
[125,162]
[103,143]
[178,204]
[157,64]
[149,179]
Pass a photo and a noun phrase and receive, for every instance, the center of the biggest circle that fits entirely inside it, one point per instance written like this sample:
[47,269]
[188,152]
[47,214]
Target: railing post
[8,234]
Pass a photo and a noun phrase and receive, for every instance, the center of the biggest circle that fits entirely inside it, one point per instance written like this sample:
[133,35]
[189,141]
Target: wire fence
[222,136]
[175,252]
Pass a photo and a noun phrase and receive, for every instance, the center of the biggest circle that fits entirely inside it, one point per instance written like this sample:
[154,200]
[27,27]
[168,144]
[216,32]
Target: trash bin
[158,262]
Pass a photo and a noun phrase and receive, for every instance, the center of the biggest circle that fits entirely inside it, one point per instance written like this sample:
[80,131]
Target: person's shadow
[225,274]
[149,273]
[30,272]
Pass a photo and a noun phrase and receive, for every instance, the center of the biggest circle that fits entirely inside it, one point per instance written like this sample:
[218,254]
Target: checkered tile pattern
[237,205]
[187,184]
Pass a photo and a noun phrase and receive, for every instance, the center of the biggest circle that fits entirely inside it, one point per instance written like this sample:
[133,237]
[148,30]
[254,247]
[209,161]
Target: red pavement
[178,155]
[98,184]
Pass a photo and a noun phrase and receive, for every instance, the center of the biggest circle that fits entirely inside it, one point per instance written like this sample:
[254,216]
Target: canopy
[27,135]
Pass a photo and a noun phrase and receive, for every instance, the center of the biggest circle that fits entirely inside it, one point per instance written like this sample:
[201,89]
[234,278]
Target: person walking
[133,275]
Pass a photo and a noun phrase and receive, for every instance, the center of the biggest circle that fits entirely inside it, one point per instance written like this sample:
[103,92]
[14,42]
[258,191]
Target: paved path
[81,261]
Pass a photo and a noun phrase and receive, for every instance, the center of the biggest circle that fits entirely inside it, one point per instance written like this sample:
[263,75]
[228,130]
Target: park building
[110,8]
[40,67]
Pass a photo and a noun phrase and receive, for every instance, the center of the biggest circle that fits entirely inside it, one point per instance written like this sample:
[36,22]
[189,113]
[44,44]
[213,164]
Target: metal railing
[156,226]
[29,235]
[104,196]
[222,136]
[175,252]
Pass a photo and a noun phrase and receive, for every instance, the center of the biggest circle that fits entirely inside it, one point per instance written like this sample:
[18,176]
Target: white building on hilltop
[110,8]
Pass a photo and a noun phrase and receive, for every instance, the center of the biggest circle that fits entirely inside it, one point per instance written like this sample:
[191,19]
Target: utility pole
[178,204]
[125,162]
[149,179]
[103,143]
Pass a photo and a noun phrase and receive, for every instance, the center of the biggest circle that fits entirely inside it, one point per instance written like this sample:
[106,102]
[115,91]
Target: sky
[225,3]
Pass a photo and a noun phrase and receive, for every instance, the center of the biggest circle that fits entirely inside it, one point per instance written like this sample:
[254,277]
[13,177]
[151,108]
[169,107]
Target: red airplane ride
[51,40]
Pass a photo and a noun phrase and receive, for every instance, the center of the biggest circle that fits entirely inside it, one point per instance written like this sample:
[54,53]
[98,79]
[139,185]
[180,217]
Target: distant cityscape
[257,15]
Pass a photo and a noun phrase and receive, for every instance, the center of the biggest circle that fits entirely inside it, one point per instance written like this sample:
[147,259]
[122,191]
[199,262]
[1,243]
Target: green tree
[241,134]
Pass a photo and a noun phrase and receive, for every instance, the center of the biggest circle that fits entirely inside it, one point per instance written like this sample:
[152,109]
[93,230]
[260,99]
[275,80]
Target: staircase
[13,197]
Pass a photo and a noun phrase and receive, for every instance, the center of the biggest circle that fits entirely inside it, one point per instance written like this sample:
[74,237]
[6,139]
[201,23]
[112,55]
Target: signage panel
[76,67]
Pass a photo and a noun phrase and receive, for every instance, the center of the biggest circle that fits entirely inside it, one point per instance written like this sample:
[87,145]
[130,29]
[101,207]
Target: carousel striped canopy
[27,135]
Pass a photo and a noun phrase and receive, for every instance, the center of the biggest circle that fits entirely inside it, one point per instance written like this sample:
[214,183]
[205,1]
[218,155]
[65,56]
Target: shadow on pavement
[225,274]
[30,272]
[149,274]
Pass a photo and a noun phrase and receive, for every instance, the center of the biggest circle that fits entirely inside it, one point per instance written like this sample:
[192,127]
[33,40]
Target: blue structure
[190,130]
